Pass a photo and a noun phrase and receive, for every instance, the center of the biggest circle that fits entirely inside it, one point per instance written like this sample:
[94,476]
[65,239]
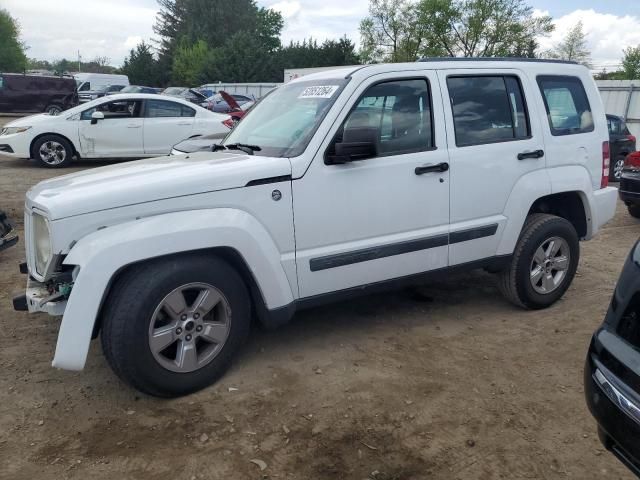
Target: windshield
[284,121]
[174,90]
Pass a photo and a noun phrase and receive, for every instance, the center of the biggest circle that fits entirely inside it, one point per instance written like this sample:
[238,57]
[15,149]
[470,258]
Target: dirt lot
[450,383]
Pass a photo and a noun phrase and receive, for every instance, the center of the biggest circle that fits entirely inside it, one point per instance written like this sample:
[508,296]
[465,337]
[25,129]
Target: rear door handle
[184,123]
[134,126]
[533,154]
[438,167]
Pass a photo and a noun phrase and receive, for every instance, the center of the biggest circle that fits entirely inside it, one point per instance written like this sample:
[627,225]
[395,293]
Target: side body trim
[373,253]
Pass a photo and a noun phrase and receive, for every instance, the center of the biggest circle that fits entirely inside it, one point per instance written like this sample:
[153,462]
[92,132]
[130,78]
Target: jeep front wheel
[544,262]
[172,326]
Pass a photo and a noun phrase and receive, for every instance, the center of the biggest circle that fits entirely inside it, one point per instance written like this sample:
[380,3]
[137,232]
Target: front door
[119,134]
[165,124]
[385,216]
[495,139]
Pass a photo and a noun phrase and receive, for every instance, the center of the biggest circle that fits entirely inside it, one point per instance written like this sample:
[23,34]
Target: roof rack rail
[495,59]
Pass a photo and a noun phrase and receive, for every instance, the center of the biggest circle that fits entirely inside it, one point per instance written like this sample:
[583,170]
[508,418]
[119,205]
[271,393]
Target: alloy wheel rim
[54,111]
[189,327]
[549,265]
[617,169]
[52,153]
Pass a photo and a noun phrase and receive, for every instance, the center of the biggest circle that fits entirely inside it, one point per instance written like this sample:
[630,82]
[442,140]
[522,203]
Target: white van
[97,82]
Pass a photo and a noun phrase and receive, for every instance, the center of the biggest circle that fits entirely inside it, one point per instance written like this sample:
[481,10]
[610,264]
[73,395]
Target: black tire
[612,169]
[634,210]
[515,281]
[63,156]
[129,310]
[53,109]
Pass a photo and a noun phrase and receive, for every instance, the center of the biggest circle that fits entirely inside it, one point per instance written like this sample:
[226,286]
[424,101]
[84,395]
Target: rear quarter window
[567,105]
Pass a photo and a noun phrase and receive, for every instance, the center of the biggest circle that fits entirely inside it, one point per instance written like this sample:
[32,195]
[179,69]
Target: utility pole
[79,61]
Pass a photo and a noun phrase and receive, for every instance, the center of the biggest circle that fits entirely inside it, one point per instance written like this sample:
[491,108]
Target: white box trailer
[255,90]
[622,98]
[293,73]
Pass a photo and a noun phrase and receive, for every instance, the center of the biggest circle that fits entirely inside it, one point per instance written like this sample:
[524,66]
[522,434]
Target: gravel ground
[446,381]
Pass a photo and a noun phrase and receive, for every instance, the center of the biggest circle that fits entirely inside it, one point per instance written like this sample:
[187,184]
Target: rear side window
[568,108]
[487,109]
[164,108]
[1,82]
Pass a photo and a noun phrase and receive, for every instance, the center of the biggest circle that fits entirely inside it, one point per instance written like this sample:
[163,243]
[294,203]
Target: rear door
[494,138]
[165,124]
[119,134]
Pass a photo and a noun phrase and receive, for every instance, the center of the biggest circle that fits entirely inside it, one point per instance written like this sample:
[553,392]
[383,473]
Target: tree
[12,50]
[189,63]
[141,67]
[573,47]
[631,63]
[392,32]
[242,59]
[482,28]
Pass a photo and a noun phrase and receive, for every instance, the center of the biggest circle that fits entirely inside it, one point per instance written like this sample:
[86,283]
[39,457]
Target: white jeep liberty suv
[340,182]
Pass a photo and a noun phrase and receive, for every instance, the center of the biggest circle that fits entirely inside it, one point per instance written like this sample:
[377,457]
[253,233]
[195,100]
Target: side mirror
[358,143]
[95,116]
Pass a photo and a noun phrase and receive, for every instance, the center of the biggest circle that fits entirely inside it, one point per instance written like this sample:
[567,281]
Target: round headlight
[41,243]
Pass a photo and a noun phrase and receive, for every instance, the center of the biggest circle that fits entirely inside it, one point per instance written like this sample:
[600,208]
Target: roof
[495,59]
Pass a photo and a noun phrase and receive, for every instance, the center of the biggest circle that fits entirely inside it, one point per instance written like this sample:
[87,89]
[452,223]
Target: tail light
[632,160]
[631,138]
[606,157]
[228,123]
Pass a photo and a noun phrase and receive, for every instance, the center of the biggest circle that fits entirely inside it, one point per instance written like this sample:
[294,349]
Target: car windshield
[174,90]
[131,89]
[283,123]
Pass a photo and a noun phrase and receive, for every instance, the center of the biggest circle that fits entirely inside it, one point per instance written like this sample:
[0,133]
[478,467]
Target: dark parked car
[88,95]
[36,93]
[188,94]
[217,103]
[612,370]
[629,188]
[8,235]
[621,142]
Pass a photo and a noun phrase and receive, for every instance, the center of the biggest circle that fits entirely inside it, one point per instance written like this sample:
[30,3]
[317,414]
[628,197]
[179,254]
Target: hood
[149,180]
[32,120]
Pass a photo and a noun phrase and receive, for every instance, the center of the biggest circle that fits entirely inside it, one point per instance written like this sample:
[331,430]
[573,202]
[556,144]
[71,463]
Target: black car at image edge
[621,143]
[612,369]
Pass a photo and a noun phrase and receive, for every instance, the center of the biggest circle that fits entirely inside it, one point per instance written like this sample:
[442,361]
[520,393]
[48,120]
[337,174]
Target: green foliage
[141,67]
[203,41]
[404,30]
[97,65]
[573,47]
[616,75]
[12,56]
[631,63]
[189,62]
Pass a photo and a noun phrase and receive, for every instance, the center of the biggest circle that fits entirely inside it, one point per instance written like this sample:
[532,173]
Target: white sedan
[117,126]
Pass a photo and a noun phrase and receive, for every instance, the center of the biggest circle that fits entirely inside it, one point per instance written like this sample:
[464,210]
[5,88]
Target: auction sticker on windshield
[320,91]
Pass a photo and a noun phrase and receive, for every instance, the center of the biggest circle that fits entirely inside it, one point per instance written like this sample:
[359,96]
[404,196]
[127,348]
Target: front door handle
[438,167]
[533,154]
[134,126]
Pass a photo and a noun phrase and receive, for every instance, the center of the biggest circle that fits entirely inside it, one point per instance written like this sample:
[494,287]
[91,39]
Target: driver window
[84,87]
[115,109]
[400,114]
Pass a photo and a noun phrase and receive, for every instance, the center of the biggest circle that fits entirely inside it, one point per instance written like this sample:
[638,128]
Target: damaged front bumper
[50,297]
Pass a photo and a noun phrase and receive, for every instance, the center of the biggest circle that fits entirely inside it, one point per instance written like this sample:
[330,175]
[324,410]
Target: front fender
[101,254]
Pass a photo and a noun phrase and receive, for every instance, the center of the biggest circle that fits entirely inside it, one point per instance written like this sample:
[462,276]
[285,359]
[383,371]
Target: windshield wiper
[217,146]
[244,147]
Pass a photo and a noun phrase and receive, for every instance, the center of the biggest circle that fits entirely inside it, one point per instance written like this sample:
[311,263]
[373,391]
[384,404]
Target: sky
[110,28]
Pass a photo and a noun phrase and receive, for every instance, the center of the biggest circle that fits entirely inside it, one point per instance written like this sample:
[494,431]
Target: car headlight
[41,243]
[12,130]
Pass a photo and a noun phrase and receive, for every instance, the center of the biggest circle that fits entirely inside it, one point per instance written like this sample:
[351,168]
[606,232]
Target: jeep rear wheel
[544,262]
[172,326]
